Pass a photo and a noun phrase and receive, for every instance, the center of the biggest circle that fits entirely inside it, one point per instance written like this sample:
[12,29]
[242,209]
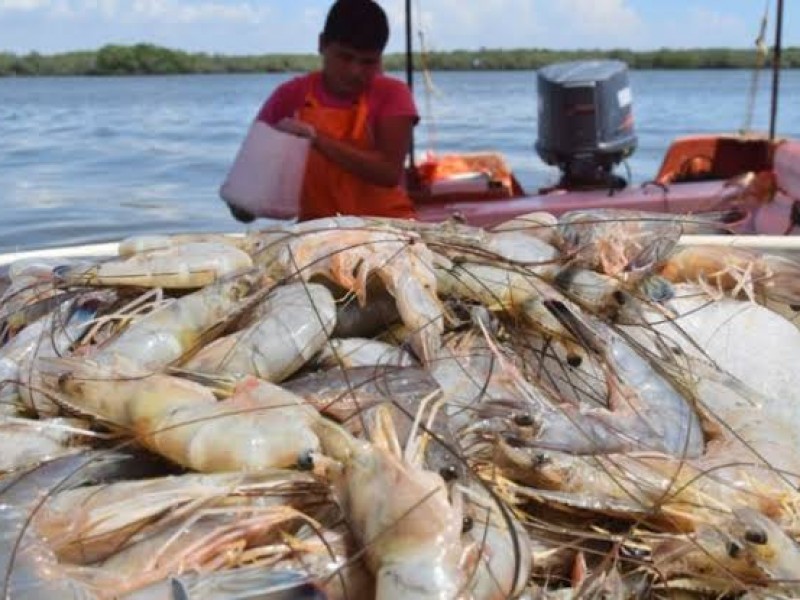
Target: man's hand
[297,127]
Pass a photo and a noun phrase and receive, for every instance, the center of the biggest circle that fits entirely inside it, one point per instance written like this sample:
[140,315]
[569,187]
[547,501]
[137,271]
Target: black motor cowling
[585,120]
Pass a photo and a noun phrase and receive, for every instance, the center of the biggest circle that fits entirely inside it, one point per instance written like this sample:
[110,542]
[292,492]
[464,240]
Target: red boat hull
[756,179]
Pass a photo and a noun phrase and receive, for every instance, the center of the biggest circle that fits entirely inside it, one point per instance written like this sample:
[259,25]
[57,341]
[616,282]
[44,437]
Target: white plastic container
[266,177]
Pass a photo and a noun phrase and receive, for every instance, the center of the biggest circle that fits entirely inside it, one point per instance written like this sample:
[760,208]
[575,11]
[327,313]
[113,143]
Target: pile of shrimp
[572,407]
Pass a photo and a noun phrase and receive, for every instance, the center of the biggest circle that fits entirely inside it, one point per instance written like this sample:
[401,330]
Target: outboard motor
[585,121]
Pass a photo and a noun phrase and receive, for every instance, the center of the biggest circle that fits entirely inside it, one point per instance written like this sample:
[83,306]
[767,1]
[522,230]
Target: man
[359,121]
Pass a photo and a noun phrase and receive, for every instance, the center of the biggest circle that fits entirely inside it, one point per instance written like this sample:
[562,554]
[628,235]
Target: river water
[86,160]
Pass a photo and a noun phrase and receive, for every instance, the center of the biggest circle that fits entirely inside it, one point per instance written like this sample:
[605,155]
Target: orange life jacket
[328,189]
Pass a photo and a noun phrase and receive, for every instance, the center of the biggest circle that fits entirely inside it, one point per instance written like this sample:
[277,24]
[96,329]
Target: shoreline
[148,59]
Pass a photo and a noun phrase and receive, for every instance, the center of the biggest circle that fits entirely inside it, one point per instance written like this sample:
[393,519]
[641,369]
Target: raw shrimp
[24,443]
[503,546]
[519,292]
[28,567]
[94,523]
[191,265]
[745,551]
[646,405]
[294,324]
[542,225]
[49,336]
[468,243]
[616,242]
[139,244]
[736,271]
[411,536]
[349,256]
[485,392]
[343,394]
[169,333]
[260,426]
[358,352]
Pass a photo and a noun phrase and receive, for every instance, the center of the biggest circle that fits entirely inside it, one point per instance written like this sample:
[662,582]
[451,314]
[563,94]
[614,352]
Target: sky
[291,26]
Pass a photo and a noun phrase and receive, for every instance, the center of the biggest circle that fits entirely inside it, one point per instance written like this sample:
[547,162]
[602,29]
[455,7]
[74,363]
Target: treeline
[147,59]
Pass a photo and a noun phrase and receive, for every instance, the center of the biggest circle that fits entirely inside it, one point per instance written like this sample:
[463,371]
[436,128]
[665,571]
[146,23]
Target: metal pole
[410,82]
[776,71]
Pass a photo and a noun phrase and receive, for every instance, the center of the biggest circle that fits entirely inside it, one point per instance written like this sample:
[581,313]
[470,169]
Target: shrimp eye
[467,525]
[514,441]
[574,360]
[523,420]
[448,473]
[305,462]
[795,307]
[756,536]
[733,549]
[64,378]
[619,297]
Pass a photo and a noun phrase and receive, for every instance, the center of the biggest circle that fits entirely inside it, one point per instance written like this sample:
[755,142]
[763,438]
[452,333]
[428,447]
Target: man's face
[347,71]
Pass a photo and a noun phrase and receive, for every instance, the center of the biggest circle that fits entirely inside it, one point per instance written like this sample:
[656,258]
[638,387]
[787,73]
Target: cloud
[164,11]
[22,5]
[177,11]
[450,24]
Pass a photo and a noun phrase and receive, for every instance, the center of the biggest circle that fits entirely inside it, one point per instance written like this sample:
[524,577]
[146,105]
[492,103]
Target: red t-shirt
[386,97]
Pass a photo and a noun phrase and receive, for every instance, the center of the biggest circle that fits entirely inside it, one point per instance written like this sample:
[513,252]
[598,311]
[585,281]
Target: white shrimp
[260,426]
[293,325]
[412,535]
[25,443]
[349,353]
[349,256]
[168,333]
[49,336]
[191,265]
[28,567]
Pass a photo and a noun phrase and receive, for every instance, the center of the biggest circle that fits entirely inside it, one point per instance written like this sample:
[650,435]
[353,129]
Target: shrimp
[520,293]
[504,549]
[622,241]
[646,405]
[167,334]
[191,265]
[25,443]
[294,324]
[49,336]
[500,245]
[542,225]
[358,352]
[411,536]
[350,256]
[28,566]
[139,244]
[737,272]
[486,394]
[94,523]
[744,358]
[747,550]
[343,394]
[260,426]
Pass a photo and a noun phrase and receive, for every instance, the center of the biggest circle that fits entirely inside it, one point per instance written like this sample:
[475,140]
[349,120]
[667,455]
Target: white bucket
[266,177]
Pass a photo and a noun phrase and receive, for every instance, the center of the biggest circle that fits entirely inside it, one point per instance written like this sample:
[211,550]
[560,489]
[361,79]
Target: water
[94,159]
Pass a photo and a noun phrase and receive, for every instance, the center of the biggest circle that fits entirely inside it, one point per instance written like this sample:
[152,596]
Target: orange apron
[328,189]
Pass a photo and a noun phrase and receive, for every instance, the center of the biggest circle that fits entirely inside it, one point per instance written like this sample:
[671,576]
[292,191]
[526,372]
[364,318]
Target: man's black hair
[359,24]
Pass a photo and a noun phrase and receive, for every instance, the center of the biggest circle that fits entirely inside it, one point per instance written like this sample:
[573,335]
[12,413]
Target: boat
[586,129]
